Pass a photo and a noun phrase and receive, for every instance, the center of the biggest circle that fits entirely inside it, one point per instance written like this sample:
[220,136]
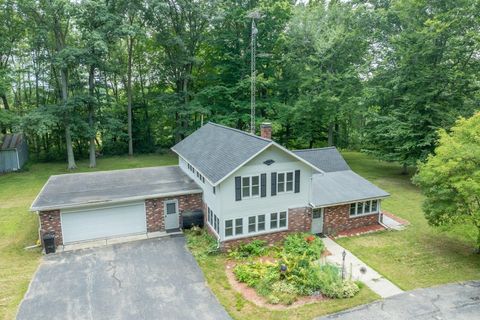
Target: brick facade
[50,222]
[155,208]
[299,220]
[337,219]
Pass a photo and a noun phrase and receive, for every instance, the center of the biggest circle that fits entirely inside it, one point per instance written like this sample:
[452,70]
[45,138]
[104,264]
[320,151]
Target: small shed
[13,152]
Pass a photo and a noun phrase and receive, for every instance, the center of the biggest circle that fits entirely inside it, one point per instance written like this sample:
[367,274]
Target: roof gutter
[346,202]
[114,201]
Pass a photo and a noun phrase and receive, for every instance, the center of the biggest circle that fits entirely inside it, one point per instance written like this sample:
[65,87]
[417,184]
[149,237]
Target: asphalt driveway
[453,301]
[150,279]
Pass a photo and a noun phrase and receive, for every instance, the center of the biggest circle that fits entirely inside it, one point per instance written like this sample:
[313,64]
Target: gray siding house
[248,186]
[13,152]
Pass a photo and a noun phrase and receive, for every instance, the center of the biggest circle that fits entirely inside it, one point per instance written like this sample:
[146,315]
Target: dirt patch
[251,295]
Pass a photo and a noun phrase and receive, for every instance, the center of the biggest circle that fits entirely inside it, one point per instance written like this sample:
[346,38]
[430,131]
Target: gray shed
[13,152]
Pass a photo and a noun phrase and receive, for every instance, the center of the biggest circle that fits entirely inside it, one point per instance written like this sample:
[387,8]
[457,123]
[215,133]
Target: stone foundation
[50,222]
[299,220]
[337,219]
[155,208]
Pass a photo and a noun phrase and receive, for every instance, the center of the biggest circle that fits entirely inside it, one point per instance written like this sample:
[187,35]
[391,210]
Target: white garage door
[103,222]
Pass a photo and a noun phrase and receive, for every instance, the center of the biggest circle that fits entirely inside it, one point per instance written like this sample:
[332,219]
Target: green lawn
[18,226]
[419,256]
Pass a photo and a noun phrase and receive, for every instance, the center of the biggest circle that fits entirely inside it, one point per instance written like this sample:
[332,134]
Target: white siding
[255,206]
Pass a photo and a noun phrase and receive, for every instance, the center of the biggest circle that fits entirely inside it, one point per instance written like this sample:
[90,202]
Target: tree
[425,75]
[450,178]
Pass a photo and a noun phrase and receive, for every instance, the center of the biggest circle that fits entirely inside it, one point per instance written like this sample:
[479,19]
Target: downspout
[380,216]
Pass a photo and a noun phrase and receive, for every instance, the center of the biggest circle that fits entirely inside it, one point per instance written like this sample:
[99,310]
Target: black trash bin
[49,242]
[192,218]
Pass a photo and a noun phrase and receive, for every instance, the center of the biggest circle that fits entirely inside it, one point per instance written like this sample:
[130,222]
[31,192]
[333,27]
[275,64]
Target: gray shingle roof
[327,159]
[70,190]
[216,150]
[342,187]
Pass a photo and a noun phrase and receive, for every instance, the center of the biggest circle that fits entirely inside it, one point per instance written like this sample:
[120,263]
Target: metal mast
[253,70]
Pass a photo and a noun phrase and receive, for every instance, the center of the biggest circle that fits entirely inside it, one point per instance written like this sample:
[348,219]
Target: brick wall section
[299,220]
[50,222]
[337,219]
[155,208]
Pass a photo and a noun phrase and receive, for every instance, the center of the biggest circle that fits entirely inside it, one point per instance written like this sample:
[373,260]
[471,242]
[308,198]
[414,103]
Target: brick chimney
[266,130]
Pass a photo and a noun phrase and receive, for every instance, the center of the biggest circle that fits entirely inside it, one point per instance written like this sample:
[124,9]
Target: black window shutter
[274,183]
[297,181]
[238,189]
[263,185]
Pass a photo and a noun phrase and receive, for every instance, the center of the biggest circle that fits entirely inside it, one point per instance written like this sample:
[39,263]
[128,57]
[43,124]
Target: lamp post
[343,264]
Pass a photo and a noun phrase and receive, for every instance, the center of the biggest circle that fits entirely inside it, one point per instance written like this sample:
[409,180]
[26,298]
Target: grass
[18,226]
[421,255]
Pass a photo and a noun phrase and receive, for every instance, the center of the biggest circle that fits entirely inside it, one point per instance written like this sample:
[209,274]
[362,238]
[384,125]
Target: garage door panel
[103,222]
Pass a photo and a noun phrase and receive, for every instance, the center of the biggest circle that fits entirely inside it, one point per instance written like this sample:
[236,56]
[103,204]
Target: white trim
[346,202]
[115,201]
[18,159]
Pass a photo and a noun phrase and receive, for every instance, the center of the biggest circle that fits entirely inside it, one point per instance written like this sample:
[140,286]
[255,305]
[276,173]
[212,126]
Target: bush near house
[295,272]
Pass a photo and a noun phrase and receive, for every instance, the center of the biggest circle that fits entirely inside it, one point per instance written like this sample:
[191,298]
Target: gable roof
[342,187]
[328,159]
[217,151]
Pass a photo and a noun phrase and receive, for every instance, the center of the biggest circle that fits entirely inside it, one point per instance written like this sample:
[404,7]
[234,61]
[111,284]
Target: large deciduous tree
[450,178]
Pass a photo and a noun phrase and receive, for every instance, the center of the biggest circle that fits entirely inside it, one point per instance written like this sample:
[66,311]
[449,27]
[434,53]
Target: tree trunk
[330,134]
[91,74]
[5,101]
[129,94]
[68,134]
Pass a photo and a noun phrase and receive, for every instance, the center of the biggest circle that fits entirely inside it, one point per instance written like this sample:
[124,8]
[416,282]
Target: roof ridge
[239,131]
[313,149]
[108,171]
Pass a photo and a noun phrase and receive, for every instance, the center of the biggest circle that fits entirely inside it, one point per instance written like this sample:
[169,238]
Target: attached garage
[103,222]
[107,204]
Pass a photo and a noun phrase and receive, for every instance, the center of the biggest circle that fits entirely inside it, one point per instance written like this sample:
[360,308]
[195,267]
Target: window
[285,182]
[246,187]
[252,224]
[209,216]
[283,219]
[274,220]
[215,222]
[250,186]
[261,223]
[353,209]
[171,207]
[228,228]
[364,207]
[238,226]
[217,225]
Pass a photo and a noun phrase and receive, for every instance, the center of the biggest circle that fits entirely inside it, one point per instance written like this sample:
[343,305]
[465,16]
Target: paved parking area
[453,301]
[148,279]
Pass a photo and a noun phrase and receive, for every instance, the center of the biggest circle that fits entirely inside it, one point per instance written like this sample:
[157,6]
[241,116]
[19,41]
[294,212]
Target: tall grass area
[19,227]
[421,255]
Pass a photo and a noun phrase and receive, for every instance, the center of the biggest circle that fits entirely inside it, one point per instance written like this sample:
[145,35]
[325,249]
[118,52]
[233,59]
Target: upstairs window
[250,187]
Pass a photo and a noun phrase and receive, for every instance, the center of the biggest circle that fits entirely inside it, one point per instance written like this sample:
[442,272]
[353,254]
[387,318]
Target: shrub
[342,289]
[201,243]
[303,244]
[253,248]
[252,273]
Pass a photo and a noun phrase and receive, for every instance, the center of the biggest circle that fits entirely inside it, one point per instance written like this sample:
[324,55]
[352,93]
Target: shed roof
[103,187]
[11,141]
[342,187]
[328,159]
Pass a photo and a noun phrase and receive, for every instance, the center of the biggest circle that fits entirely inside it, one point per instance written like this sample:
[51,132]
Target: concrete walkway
[392,224]
[370,277]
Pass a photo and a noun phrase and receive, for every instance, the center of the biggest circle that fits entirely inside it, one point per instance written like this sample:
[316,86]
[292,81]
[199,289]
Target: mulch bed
[251,295]
[360,230]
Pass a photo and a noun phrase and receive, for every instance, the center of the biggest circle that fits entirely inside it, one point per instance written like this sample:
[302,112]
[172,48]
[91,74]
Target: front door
[317,221]
[171,215]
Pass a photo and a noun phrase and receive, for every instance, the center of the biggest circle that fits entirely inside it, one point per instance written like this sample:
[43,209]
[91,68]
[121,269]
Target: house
[248,186]
[13,152]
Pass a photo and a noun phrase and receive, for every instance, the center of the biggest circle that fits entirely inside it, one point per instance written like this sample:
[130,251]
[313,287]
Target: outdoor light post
[343,264]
